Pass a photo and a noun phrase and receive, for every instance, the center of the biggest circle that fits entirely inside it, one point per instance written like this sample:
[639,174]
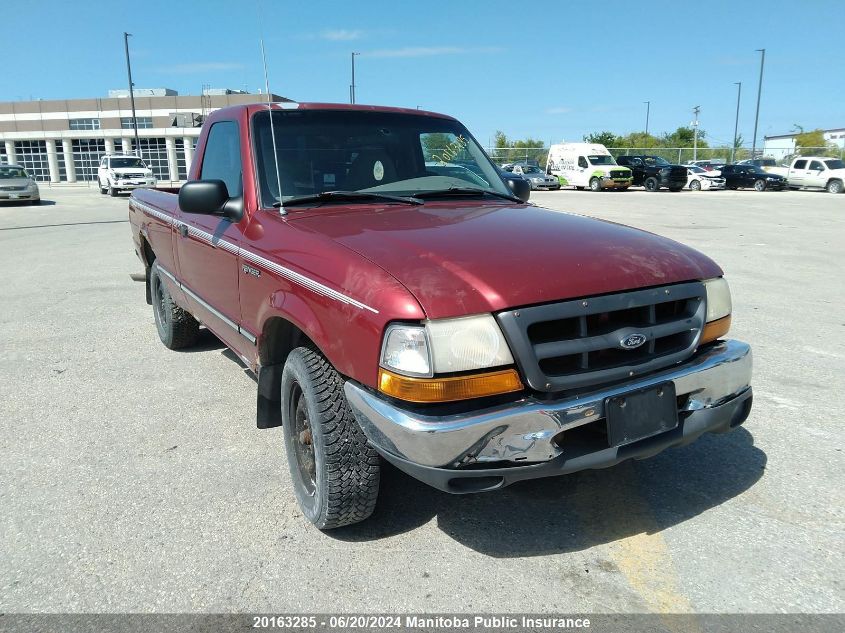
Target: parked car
[16,185]
[536,177]
[120,172]
[587,165]
[748,176]
[816,172]
[468,338]
[700,179]
[713,164]
[654,172]
[758,162]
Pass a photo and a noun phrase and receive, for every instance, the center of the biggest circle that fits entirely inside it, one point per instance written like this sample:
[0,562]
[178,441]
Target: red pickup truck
[398,298]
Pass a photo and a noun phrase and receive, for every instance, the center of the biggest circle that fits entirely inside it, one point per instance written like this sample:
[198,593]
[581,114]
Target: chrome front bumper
[714,386]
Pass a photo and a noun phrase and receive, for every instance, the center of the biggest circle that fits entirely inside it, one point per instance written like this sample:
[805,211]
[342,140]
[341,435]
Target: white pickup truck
[814,172]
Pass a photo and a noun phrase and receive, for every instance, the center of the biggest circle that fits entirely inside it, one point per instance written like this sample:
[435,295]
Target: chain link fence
[678,155]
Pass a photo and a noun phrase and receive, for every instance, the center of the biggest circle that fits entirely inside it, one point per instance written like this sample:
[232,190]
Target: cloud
[200,67]
[429,51]
[341,35]
[559,110]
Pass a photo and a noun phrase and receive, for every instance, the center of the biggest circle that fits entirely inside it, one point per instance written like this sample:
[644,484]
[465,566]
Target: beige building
[63,140]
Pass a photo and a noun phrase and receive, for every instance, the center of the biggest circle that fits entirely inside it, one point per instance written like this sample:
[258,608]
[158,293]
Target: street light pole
[352,85]
[736,120]
[131,93]
[647,109]
[759,90]
[695,111]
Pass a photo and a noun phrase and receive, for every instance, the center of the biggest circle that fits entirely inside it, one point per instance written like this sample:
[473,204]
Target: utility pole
[736,120]
[131,93]
[759,90]
[695,111]
[647,109]
[352,85]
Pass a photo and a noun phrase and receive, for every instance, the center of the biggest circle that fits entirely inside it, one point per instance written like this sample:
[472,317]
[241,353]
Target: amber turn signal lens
[715,329]
[448,389]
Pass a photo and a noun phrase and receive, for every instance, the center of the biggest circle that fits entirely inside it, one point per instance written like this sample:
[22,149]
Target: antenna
[282,210]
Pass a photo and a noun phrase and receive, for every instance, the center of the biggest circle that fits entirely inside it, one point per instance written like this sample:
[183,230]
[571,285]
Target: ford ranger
[399,299]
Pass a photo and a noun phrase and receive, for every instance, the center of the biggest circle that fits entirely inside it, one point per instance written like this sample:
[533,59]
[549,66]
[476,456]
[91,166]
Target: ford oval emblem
[633,341]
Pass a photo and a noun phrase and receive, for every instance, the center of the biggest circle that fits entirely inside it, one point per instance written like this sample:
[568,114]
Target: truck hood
[460,259]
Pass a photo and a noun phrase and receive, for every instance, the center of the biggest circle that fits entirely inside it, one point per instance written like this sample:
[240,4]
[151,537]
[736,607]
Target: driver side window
[582,162]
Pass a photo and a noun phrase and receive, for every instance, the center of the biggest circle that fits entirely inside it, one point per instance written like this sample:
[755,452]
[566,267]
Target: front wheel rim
[302,440]
[759,185]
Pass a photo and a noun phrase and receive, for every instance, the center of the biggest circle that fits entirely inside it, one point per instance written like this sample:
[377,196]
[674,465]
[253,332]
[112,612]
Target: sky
[554,70]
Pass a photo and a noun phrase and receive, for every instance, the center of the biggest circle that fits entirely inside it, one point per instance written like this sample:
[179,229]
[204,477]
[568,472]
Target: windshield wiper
[463,191]
[347,196]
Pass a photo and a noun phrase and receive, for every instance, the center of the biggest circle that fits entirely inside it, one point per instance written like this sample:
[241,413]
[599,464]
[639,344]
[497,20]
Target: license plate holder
[13,196]
[642,413]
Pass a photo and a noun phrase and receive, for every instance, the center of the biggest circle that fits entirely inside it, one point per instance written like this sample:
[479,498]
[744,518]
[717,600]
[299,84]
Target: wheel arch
[279,337]
[148,256]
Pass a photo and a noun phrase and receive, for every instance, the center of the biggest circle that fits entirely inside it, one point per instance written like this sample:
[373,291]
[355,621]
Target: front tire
[760,185]
[834,186]
[595,184]
[651,184]
[695,185]
[334,470]
[112,191]
[176,327]
[103,190]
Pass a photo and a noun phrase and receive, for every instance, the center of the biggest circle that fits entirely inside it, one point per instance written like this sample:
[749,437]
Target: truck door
[798,173]
[207,245]
[816,176]
[582,175]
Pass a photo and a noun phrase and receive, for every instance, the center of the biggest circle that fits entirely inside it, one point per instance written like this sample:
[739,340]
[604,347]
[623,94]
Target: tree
[608,139]
[500,139]
[814,139]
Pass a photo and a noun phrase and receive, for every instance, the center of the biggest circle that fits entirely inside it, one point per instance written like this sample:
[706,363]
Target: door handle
[183,230]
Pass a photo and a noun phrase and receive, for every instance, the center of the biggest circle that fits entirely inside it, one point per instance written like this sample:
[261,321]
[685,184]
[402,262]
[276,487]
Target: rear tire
[334,470]
[760,185]
[176,327]
[834,186]
[651,184]
[595,184]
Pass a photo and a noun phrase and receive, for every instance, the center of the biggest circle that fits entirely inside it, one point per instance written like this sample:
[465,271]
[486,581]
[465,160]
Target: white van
[587,165]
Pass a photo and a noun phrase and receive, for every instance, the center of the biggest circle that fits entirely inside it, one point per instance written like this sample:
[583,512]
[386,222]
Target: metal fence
[680,155]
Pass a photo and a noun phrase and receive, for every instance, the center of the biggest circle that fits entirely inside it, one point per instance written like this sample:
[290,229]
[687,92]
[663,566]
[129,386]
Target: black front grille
[131,176]
[575,344]
[13,188]
[619,173]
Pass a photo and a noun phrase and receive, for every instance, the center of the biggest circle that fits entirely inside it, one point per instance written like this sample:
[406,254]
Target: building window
[84,124]
[144,122]
[87,153]
[3,157]
[181,162]
[154,153]
[32,156]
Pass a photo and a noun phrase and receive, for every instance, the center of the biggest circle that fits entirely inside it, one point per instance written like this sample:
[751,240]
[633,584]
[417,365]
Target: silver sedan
[16,185]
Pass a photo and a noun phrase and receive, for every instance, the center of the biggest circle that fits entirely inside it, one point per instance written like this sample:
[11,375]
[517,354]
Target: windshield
[119,163]
[835,164]
[12,172]
[385,152]
[601,160]
[531,169]
[655,160]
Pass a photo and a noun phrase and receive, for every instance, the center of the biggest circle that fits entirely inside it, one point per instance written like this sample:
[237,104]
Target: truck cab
[655,172]
[587,165]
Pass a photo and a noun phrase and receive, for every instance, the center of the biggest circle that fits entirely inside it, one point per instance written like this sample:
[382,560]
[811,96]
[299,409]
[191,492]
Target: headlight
[412,355]
[718,310]
[445,346]
[718,298]
[406,351]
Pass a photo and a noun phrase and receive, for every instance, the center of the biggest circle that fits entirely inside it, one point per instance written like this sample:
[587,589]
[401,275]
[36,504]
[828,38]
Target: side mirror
[210,197]
[520,187]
